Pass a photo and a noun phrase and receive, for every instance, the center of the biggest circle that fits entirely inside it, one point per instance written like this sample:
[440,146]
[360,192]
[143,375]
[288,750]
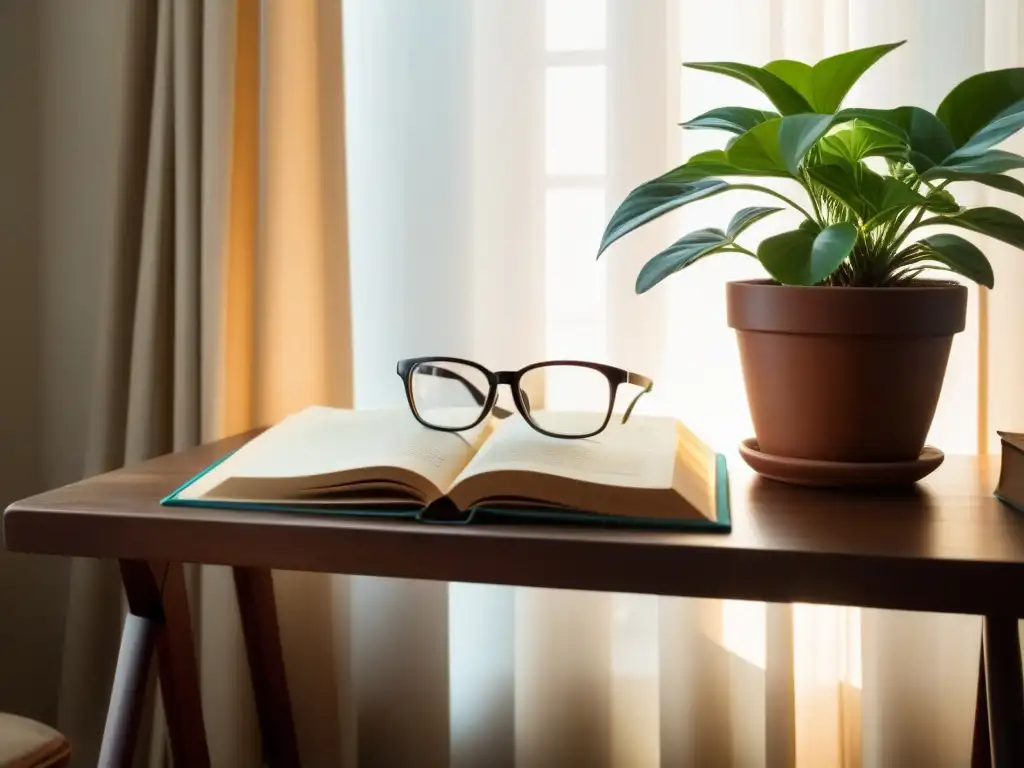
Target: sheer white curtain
[488,140]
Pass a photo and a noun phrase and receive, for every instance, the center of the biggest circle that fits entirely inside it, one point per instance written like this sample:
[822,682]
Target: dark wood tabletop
[946,545]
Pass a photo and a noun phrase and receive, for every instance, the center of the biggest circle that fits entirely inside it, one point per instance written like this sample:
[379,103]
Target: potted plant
[844,349]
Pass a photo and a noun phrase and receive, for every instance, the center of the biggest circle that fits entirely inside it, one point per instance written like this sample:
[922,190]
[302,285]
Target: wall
[60,96]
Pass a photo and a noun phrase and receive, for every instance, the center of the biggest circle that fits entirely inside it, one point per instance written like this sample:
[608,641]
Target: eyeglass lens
[448,395]
[589,387]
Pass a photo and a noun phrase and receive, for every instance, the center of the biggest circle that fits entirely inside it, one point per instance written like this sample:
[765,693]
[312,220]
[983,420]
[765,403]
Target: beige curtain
[224,305]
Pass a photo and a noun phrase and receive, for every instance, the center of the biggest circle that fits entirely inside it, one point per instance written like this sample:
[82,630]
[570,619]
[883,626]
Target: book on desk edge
[1010,486]
[649,473]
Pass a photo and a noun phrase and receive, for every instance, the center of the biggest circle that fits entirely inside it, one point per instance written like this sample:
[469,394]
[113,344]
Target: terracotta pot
[844,374]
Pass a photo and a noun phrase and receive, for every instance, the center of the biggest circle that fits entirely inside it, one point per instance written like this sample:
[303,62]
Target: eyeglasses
[451,394]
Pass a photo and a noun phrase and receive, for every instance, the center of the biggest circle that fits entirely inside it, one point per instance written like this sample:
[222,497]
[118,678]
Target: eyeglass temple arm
[640,381]
[476,394]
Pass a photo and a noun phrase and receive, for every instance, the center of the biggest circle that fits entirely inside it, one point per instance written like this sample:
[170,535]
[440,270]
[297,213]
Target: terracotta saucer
[839,474]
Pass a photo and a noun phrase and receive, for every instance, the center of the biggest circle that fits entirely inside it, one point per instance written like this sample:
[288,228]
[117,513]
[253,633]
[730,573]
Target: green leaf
[994,180]
[858,139]
[901,170]
[797,134]
[831,248]
[994,222]
[733,119]
[801,258]
[880,218]
[978,101]
[758,149]
[882,192]
[702,165]
[993,161]
[1004,125]
[682,253]
[785,98]
[961,256]
[796,74]
[941,201]
[832,78]
[885,197]
[747,217]
[928,139]
[786,255]
[842,181]
[653,199]
[778,145]
[874,199]
[795,87]
[715,162]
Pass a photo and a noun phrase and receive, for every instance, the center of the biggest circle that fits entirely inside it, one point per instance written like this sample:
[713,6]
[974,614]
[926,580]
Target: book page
[311,448]
[638,454]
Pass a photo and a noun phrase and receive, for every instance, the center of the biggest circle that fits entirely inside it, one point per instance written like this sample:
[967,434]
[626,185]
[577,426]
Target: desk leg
[159,618]
[255,590]
[1000,704]
[138,639]
[981,752]
[179,675]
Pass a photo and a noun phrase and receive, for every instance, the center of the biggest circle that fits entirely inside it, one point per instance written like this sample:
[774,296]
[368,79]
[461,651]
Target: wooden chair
[25,743]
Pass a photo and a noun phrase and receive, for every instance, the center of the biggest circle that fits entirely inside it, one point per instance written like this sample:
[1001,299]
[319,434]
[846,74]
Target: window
[575,154]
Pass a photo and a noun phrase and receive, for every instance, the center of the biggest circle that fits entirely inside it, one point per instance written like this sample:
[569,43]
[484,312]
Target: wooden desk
[947,546]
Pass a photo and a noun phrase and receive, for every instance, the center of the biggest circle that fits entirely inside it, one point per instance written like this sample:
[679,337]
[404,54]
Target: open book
[322,459]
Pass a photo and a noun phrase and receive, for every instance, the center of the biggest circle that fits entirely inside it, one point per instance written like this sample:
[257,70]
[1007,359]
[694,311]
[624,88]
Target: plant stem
[817,209]
[889,239]
[896,238]
[806,184]
[910,227]
[780,196]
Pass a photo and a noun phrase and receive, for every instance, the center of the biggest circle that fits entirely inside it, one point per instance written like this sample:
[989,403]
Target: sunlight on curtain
[699,378]
[533,120]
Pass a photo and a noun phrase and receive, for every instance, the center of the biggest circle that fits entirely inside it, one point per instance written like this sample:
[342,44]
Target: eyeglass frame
[615,376]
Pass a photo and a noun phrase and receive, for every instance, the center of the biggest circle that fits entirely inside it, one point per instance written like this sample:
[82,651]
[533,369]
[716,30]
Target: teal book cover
[445,513]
